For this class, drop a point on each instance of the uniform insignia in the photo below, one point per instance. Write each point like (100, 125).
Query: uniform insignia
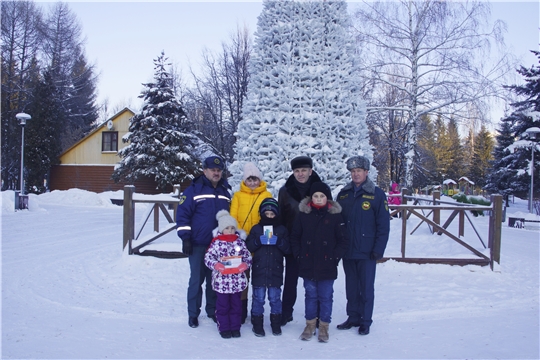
(366, 205)
(182, 199)
(368, 197)
(216, 160)
(343, 196)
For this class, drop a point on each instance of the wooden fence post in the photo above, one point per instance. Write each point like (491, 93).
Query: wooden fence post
(495, 229)
(404, 215)
(129, 215)
(436, 212)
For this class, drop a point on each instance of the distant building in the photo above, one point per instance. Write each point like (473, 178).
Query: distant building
(89, 163)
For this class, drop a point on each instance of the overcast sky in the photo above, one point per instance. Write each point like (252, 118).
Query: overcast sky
(123, 38)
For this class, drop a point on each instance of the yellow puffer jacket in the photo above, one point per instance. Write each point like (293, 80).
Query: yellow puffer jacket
(245, 205)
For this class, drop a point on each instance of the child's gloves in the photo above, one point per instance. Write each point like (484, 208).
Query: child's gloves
(268, 241)
(219, 267)
(242, 267)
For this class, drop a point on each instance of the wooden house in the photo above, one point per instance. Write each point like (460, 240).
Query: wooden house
(466, 186)
(89, 163)
(450, 187)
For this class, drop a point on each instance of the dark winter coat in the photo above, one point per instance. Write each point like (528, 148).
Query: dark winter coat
(197, 209)
(319, 240)
(289, 197)
(368, 222)
(267, 267)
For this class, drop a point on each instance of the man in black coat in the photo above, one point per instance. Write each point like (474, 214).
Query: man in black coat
(295, 189)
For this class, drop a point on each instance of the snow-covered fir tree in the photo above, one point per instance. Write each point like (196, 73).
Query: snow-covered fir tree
(511, 171)
(304, 95)
(161, 139)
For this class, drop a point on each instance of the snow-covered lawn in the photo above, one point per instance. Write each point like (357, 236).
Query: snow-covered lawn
(69, 291)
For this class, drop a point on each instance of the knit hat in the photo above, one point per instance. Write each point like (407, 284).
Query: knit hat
(320, 187)
(301, 162)
(269, 204)
(224, 220)
(360, 162)
(250, 169)
(213, 162)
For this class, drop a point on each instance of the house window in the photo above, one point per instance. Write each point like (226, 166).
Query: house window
(109, 141)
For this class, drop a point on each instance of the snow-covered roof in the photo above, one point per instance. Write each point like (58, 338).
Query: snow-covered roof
(449, 181)
(464, 178)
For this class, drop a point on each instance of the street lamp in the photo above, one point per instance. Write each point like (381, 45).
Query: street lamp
(531, 134)
(22, 117)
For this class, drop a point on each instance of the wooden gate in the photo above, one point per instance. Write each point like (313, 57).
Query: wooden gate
(411, 206)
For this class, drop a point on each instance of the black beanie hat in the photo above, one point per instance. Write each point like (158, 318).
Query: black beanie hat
(269, 204)
(320, 187)
(301, 162)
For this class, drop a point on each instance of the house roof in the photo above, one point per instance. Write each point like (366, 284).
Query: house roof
(112, 118)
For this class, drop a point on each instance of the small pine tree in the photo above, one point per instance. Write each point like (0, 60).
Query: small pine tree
(161, 142)
(304, 96)
(501, 175)
(482, 156)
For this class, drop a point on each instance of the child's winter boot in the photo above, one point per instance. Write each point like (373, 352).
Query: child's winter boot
(257, 322)
(275, 323)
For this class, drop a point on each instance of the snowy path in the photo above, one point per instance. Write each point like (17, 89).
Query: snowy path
(68, 291)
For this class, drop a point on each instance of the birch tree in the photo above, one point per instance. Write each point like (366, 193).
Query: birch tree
(434, 53)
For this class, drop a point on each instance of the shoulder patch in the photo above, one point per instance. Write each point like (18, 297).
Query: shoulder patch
(366, 205)
(182, 199)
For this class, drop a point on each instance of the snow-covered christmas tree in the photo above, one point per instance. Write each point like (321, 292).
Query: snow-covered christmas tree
(304, 95)
(161, 139)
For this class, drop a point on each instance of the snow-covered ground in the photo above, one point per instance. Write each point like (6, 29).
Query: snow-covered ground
(70, 291)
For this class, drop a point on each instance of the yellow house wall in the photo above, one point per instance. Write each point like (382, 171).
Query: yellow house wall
(88, 150)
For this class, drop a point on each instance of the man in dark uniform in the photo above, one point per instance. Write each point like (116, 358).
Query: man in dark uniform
(195, 220)
(295, 189)
(365, 210)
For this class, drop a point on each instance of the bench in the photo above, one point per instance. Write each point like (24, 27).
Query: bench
(519, 222)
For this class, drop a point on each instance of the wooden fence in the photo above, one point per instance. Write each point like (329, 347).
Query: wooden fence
(161, 203)
(412, 206)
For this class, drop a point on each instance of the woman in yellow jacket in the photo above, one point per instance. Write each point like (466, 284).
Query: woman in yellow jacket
(245, 209)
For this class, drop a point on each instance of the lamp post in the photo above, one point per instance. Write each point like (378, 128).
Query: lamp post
(531, 134)
(22, 117)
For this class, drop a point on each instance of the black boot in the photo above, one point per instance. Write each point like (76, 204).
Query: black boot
(244, 310)
(257, 322)
(275, 323)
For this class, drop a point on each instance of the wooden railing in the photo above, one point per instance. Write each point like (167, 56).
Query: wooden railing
(411, 206)
(161, 203)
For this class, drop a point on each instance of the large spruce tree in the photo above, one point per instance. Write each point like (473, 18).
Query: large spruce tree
(303, 97)
(161, 141)
(511, 169)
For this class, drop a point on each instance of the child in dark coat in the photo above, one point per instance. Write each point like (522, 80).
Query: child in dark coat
(268, 241)
(228, 257)
(318, 240)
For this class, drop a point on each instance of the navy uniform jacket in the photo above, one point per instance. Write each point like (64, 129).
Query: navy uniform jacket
(367, 219)
(197, 209)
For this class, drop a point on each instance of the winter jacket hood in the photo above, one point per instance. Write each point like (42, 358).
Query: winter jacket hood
(333, 206)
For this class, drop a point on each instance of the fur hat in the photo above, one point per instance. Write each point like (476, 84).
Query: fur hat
(224, 220)
(320, 187)
(250, 169)
(269, 204)
(360, 162)
(213, 162)
(301, 162)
